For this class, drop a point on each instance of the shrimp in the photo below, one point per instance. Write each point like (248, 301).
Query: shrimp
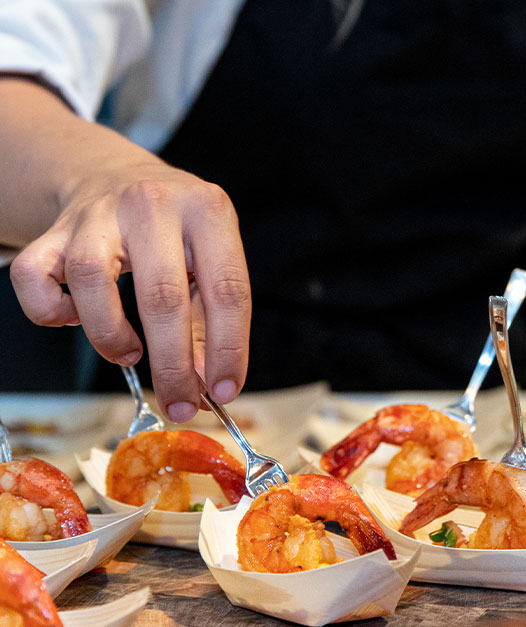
(45, 485)
(500, 492)
(268, 539)
(431, 443)
(157, 461)
(24, 599)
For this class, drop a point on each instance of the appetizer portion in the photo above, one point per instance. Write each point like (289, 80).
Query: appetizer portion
(498, 489)
(24, 599)
(282, 531)
(431, 443)
(27, 486)
(157, 462)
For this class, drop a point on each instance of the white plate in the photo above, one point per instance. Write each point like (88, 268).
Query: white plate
(504, 569)
(360, 587)
(60, 565)
(178, 529)
(119, 613)
(110, 531)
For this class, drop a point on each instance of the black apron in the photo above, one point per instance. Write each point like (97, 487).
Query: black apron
(379, 184)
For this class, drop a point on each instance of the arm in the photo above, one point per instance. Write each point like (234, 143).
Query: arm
(91, 205)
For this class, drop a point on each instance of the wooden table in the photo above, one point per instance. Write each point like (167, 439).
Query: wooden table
(184, 594)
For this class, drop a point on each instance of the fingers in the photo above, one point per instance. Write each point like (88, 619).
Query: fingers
(157, 257)
(36, 274)
(39, 270)
(161, 231)
(222, 277)
(91, 270)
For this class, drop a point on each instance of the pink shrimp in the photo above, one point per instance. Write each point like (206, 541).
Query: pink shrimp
(39, 482)
(266, 528)
(498, 489)
(24, 599)
(431, 443)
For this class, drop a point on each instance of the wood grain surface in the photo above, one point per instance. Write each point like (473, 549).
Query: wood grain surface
(184, 594)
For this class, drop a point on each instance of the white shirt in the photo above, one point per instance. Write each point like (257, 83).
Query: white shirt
(154, 54)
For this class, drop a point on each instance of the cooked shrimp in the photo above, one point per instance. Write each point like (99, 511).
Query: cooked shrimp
(22, 520)
(41, 483)
(500, 492)
(155, 461)
(267, 542)
(24, 600)
(431, 443)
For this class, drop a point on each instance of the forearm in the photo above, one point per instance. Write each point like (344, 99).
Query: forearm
(45, 150)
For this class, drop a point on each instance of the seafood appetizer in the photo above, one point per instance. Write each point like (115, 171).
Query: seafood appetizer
(497, 489)
(24, 600)
(282, 531)
(431, 443)
(157, 462)
(27, 486)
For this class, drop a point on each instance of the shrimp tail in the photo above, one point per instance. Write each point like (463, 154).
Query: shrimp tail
(50, 487)
(368, 537)
(432, 504)
(348, 454)
(232, 484)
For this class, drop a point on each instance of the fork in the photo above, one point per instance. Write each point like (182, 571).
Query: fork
(145, 419)
(5, 448)
(262, 472)
(463, 409)
(498, 306)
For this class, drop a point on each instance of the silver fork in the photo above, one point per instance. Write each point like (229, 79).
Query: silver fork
(5, 448)
(463, 409)
(498, 306)
(262, 472)
(145, 419)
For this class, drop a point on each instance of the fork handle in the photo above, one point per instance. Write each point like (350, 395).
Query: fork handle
(499, 333)
(514, 294)
(227, 420)
(133, 383)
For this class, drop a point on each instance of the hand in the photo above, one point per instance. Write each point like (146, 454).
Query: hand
(142, 216)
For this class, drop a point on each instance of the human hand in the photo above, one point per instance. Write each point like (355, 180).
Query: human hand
(137, 214)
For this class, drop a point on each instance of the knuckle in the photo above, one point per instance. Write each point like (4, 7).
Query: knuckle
(87, 270)
(107, 338)
(178, 375)
(23, 270)
(164, 296)
(147, 194)
(231, 291)
(214, 199)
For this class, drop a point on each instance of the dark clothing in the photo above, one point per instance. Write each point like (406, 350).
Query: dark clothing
(378, 183)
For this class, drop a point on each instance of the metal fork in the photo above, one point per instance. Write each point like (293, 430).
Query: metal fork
(145, 419)
(5, 448)
(463, 410)
(498, 307)
(263, 472)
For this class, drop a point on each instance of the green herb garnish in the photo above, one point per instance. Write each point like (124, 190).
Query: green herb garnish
(445, 534)
(196, 507)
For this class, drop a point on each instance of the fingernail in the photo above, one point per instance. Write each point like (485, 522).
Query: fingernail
(181, 412)
(225, 391)
(130, 358)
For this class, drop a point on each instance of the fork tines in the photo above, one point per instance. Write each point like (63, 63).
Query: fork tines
(269, 475)
(5, 448)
